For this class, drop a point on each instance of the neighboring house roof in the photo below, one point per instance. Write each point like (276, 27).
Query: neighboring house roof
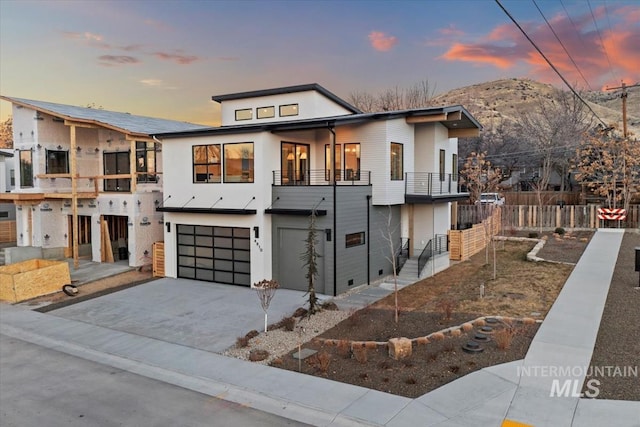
(6, 153)
(460, 119)
(124, 122)
(287, 89)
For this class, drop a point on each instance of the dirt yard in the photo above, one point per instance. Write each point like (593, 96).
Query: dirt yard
(522, 289)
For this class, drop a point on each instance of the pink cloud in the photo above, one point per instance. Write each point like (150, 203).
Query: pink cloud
(381, 41)
(176, 57)
(451, 31)
(505, 47)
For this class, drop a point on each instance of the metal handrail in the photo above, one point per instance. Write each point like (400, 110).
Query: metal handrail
(320, 177)
(425, 256)
(402, 254)
(436, 246)
(430, 183)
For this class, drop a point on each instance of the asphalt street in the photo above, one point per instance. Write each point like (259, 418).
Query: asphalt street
(43, 387)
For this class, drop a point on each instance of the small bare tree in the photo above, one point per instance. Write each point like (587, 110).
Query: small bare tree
(387, 235)
(266, 290)
(6, 133)
(396, 98)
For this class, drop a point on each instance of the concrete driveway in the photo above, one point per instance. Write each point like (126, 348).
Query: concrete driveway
(207, 316)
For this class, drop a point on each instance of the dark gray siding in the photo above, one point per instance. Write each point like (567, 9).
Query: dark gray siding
(380, 250)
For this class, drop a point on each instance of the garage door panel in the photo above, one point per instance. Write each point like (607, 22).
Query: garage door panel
(220, 254)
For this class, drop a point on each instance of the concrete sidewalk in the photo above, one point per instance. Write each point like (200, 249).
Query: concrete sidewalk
(483, 398)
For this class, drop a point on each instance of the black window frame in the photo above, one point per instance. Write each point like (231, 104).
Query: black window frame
(207, 164)
(351, 174)
(26, 169)
(63, 167)
(443, 159)
(270, 115)
(245, 110)
(350, 239)
(145, 173)
(249, 178)
(454, 160)
(297, 110)
(399, 175)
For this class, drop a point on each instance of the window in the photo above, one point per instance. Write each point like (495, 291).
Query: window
(4, 214)
(396, 162)
(26, 169)
(146, 161)
(295, 163)
(327, 161)
(206, 163)
(454, 166)
(289, 110)
(57, 161)
(354, 239)
(117, 164)
(238, 162)
(352, 162)
(245, 114)
(442, 159)
(12, 177)
(266, 112)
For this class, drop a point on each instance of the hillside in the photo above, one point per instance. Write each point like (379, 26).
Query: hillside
(501, 100)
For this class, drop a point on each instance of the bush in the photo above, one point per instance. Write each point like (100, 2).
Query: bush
(242, 342)
(257, 355)
(503, 337)
(252, 334)
(343, 348)
(446, 307)
(289, 323)
(324, 360)
(559, 230)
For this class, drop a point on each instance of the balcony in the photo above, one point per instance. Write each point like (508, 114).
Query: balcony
(319, 177)
(430, 187)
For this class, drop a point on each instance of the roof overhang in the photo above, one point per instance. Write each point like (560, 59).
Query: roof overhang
(441, 198)
(219, 211)
(297, 212)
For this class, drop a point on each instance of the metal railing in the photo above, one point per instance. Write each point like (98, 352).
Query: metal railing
(430, 183)
(436, 246)
(320, 177)
(402, 254)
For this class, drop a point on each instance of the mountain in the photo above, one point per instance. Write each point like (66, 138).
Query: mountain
(502, 100)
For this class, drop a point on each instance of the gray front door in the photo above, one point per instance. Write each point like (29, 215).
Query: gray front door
(291, 268)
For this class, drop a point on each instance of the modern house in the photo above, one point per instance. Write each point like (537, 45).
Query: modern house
(238, 198)
(88, 170)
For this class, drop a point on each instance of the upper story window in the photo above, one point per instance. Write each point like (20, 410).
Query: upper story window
(443, 156)
(397, 165)
(26, 169)
(352, 162)
(289, 110)
(146, 161)
(238, 162)
(327, 162)
(454, 174)
(57, 161)
(206, 163)
(244, 114)
(266, 112)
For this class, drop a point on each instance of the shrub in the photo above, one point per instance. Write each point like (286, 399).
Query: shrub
(252, 334)
(257, 355)
(360, 353)
(343, 347)
(446, 306)
(559, 230)
(278, 362)
(329, 305)
(242, 342)
(289, 323)
(300, 312)
(503, 337)
(324, 360)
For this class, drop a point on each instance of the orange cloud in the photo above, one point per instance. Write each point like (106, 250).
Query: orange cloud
(505, 47)
(381, 41)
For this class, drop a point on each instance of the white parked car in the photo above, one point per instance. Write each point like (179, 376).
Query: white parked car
(491, 199)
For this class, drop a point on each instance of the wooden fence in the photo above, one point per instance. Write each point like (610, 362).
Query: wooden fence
(158, 259)
(465, 243)
(550, 217)
(548, 197)
(7, 231)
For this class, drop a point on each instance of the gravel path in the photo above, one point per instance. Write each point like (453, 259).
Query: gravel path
(618, 342)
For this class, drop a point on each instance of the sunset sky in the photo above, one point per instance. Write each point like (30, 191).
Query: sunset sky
(167, 58)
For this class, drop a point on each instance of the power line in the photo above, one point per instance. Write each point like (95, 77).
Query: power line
(551, 64)
(562, 44)
(604, 49)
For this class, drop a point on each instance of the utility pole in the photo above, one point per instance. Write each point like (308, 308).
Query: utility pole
(624, 105)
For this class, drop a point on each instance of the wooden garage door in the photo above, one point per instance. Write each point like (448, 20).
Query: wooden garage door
(214, 254)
